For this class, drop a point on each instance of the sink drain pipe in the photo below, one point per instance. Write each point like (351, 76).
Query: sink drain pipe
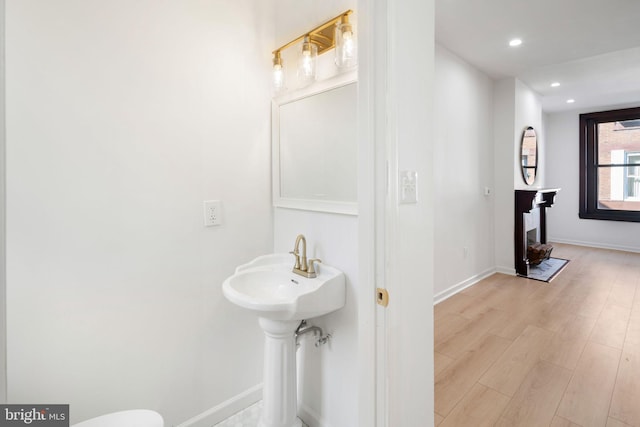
(303, 329)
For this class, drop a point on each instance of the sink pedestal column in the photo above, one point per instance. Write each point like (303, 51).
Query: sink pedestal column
(279, 394)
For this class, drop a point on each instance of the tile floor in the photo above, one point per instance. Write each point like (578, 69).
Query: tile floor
(248, 417)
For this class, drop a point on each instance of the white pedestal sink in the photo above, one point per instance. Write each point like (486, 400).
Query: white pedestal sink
(282, 299)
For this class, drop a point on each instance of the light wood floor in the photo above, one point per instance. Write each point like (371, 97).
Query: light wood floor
(516, 352)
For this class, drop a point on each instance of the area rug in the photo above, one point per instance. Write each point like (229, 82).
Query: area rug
(547, 269)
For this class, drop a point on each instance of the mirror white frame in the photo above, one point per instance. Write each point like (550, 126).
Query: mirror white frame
(282, 167)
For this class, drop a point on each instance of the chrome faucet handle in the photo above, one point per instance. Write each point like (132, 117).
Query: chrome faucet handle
(311, 269)
(295, 254)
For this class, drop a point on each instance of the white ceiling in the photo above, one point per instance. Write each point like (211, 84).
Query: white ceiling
(592, 47)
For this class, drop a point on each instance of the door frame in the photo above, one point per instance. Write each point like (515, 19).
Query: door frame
(395, 98)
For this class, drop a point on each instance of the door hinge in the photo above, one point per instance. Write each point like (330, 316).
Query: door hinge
(382, 297)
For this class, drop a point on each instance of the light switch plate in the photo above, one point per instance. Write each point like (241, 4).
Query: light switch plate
(408, 190)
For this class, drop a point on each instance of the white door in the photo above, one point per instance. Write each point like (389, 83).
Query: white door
(396, 239)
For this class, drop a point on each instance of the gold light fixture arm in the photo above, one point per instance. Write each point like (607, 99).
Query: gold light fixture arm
(322, 36)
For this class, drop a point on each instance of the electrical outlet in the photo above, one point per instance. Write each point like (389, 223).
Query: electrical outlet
(212, 213)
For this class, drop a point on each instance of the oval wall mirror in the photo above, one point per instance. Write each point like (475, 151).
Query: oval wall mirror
(529, 155)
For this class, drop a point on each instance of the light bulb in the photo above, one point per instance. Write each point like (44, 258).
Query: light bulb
(349, 44)
(278, 77)
(278, 72)
(307, 61)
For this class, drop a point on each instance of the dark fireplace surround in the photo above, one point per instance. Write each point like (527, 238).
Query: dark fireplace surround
(530, 224)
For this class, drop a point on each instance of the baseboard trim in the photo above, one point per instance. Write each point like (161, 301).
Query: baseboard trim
(594, 245)
(506, 270)
(447, 293)
(310, 417)
(225, 409)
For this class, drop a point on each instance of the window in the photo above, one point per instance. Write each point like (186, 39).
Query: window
(610, 165)
(632, 178)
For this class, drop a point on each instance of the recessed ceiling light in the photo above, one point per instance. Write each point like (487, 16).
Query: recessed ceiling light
(570, 101)
(555, 84)
(515, 42)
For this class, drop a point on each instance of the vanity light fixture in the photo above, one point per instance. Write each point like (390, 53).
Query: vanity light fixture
(335, 33)
(515, 42)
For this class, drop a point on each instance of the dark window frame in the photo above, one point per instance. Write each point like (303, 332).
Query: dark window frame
(589, 165)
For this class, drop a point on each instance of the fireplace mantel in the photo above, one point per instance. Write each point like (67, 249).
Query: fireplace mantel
(525, 202)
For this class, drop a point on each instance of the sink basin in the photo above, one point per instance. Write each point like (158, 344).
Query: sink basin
(268, 287)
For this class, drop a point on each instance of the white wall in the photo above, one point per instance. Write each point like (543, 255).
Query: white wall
(563, 171)
(463, 167)
(3, 276)
(122, 117)
(328, 376)
(516, 106)
(504, 108)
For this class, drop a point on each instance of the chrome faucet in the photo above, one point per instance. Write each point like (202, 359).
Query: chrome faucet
(301, 266)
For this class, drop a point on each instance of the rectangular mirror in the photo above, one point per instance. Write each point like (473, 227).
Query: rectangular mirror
(314, 139)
